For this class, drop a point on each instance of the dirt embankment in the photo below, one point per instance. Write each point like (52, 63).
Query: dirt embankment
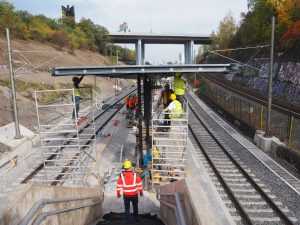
(35, 60)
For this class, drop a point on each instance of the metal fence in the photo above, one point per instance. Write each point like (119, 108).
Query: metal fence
(283, 126)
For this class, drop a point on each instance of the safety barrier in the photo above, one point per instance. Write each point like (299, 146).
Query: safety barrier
(66, 143)
(283, 126)
(169, 145)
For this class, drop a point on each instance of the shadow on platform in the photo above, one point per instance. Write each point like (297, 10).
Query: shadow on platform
(119, 219)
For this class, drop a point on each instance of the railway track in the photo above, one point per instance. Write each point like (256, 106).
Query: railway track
(100, 121)
(248, 200)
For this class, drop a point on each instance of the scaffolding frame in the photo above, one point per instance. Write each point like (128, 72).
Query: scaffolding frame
(169, 163)
(66, 144)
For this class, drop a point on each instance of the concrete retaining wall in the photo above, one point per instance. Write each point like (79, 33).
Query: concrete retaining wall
(14, 208)
(197, 208)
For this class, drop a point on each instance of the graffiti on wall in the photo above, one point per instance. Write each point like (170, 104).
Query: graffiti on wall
(286, 83)
(290, 72)
(283, 90)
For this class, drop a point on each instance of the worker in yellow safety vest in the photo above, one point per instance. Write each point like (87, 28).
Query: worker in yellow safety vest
(175, 108)
(179, 87)
(76, 97)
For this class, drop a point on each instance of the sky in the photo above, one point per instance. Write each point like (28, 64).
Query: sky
(157, 16)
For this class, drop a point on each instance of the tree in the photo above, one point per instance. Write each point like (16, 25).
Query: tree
(9, 19)
(227, 30)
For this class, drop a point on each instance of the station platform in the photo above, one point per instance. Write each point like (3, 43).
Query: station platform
(117, 143)
(201, 200)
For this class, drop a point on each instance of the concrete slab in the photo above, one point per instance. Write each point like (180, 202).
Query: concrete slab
(7, 134)
(267, 144)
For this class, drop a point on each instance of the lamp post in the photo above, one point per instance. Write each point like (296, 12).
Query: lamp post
(267, 134)
(13, 93)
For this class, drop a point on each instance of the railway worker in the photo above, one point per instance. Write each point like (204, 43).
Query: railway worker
(127, 101)
(175, 108)
(131, 185)
(76, 97)
(166, 100)
(133, 102)
(179, 87)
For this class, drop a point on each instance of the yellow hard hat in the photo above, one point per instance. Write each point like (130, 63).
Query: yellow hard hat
(127, 164)
(178, 74)
(154, 148)
(172, 96)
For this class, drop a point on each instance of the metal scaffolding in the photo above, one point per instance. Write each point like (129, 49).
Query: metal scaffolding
(67, 144)
(169, 146)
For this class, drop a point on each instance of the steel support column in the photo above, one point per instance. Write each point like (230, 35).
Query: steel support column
(147, 108)
(186, 53)
(139, 51)
(140, 116)
(143, 54)
(189, 52)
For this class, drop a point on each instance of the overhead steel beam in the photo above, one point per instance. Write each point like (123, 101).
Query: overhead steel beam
(154, 71)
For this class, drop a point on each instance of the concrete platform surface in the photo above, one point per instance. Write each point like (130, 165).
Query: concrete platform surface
(120, 146)
(7, 134)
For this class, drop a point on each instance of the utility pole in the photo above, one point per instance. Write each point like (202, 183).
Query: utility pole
(13, 93)
(267, 134)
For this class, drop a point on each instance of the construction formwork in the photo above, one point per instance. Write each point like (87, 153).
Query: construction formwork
(67, 143)
(169, 146)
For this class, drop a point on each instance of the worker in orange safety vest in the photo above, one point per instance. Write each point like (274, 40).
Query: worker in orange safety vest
(127, 101)
(131, 185)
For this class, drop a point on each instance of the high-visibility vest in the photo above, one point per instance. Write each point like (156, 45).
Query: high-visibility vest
(130, 183)
(179, 86)
(76, 91)
(176, 113)
(133, 101)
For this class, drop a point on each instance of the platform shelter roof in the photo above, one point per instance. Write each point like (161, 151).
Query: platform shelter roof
(153, 71)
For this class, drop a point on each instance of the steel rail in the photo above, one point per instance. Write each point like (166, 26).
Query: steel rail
(41, 166)
(232, 197)
(261, 101)
(265, 196)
